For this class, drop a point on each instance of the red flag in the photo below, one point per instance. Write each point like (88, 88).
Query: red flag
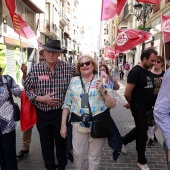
(20, 26)
(111, 8)
(156, 2)
(109, 52)
(11, 5)
(165, 28)
(130, 38)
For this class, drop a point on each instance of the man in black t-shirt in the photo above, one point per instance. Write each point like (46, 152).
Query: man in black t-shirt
(139, 95)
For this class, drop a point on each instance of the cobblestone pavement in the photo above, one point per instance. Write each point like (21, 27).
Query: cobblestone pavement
(124, 121)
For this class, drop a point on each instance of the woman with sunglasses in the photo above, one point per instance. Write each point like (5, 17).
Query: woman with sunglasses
(99, 100)
(8, 159)
(157, 75)
(112, 80)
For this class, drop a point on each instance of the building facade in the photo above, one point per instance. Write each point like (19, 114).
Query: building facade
(127, 19)
(49, 19)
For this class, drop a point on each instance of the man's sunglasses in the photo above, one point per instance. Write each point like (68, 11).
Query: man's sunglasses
(87, 63)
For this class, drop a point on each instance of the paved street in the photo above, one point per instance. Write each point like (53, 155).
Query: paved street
(124, 121)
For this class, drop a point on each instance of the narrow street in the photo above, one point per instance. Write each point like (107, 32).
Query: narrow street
(124, 121)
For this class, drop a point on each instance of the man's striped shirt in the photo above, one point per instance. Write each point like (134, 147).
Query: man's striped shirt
(40, 81)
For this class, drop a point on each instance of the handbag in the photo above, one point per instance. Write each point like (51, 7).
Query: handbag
(28, 115)
(101, 126)
(16, 110)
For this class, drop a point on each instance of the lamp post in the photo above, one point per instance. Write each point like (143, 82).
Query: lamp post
(142, 12)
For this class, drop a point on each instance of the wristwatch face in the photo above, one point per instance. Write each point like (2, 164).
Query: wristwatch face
(105, 92)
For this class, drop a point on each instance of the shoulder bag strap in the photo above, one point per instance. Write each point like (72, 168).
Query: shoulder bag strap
(90, 113)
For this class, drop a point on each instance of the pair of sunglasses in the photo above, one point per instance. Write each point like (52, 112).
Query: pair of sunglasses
(87, 63)
(158, 62)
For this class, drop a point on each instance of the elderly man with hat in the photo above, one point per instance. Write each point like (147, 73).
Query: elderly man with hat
(45, 86)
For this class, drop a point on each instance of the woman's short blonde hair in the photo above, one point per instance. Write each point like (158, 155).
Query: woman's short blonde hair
(94, 62)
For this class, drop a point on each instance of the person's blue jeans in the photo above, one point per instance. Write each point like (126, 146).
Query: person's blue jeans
(166, 153)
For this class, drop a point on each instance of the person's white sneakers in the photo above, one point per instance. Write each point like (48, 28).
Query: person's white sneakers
(143, 167)
(124, 150)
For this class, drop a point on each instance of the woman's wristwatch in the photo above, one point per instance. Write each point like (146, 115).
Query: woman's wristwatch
(105, 92)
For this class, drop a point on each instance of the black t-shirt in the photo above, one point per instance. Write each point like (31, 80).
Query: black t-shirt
(157, 80)
(142, 94)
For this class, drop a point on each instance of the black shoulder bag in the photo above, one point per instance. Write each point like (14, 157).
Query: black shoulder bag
(101, 126)
(16, 110)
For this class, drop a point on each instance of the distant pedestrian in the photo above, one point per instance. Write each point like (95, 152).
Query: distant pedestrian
(121, 71)
(162, 113)
(157, 75)
(8, 87)
(126, 70)
(139, 95)
(114, 70)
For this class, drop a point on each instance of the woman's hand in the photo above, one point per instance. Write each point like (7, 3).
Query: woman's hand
(63, 131)
(99, 86)
(105, 76)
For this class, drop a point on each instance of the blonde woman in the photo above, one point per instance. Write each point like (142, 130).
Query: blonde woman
(100, 100)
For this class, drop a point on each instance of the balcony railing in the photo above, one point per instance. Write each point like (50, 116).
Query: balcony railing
(128, 10)
(63, 43)
(63, 18)
(47, 24)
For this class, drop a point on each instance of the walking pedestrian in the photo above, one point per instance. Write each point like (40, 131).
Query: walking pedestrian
(121, 71)
(139, 95)
(126, 70)
(26, 140)
(46, 85)
(8, 159)
(99, 100)
(157, 75)
(162, 111)
(114, 70)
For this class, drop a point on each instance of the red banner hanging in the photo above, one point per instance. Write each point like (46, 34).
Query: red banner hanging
(20, 26)
(111, 8)
(109, 53)
(156, 2)
(130, 38)
(165, 28)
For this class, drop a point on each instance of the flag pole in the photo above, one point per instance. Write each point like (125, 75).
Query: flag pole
(164, 57)
(100, 37)
(100, 45)
(21, 49)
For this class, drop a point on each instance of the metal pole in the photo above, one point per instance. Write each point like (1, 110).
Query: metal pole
(144, 24)
(165, 57)
(21, 49)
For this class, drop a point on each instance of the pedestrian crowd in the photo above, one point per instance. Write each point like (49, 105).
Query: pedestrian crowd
(73, 105)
